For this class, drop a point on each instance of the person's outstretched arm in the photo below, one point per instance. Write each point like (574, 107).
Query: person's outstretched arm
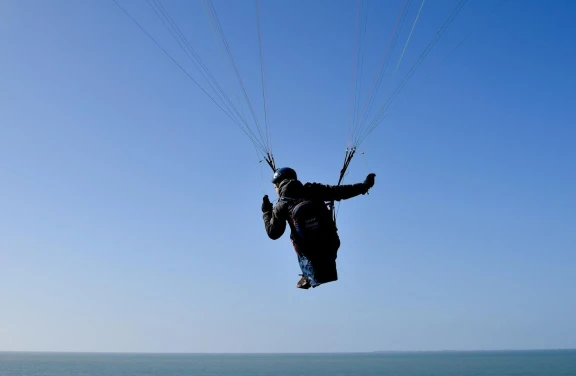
(340, 192)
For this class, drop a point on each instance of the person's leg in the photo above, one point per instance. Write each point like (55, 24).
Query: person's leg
(316, 272)
(308, 273)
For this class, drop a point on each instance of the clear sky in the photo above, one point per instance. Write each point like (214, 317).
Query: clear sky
(130, 203)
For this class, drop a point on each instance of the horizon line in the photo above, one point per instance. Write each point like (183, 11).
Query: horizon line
(280, 353)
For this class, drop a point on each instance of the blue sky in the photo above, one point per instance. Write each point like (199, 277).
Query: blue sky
(131, 204)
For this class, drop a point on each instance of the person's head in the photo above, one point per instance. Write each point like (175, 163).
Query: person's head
(281, 174)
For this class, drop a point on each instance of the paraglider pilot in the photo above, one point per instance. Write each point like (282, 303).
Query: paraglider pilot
(313, 232)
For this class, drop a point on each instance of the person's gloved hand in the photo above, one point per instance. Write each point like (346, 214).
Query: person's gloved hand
(369, 182)
(266, 204)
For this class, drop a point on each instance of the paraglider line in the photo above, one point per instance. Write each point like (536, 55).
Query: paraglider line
(221, 32)
(378, 75)
(187, 43)
(387, 104)
(184, 70)
(470, 33)
(165, 17)
(395, 34)
(266, 121)
(353, 83)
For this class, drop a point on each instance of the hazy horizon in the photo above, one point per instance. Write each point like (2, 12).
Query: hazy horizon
(280, 353)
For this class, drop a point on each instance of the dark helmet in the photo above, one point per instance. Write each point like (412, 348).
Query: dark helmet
(283, 174)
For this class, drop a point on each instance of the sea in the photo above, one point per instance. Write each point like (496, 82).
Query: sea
(481, 363)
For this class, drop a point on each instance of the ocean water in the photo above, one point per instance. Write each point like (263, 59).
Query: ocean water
(516, 363)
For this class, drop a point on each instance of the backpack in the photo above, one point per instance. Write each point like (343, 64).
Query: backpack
(311, 221)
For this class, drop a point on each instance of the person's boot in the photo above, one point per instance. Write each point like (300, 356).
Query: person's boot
(303, 283)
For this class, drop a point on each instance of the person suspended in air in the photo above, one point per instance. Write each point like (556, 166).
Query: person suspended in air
(313, 232)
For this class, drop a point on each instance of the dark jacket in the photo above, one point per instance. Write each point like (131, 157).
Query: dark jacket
(276, 219)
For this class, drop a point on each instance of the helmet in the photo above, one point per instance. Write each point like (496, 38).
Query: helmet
(283, 174)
